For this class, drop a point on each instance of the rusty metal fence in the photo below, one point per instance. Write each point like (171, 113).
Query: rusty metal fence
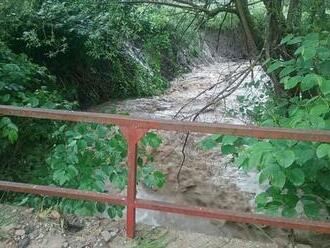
(134, 129)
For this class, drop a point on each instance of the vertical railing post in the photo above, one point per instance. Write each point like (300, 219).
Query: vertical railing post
(132, 136)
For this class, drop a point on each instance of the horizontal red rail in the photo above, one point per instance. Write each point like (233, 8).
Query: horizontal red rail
(180, 126)
(133, 129)
(61, 192)
(234, 216)
(167, 207)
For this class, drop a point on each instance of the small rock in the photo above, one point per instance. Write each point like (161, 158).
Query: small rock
(54, 215)
(29, 210)
(20, 232)
(107, 236)
(41, 236)
(65, 245)
(161, 108)
(24, 243)
(303, 246)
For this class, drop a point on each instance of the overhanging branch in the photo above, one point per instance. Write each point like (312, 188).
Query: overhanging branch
(188, 5)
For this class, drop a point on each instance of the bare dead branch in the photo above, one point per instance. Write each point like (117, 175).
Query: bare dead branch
(236, 80)
(185, 4)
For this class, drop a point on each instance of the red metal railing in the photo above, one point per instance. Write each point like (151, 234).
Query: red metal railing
(134, 129)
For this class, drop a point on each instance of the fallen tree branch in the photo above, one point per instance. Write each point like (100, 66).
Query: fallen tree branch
(236, 80)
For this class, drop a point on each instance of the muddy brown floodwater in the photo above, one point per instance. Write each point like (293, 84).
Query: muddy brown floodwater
(207, 179)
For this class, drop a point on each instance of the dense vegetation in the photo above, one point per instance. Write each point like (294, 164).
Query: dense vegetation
(296, 174)
(70, 55)
(73, 54)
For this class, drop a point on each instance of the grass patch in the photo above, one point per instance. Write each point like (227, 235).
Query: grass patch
(153, 239)
(6, 219)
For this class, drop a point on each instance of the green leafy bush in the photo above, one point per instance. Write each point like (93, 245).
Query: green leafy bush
(97, 50)
(297, 173)
(91, 158)
(23, 83)
(77, 156)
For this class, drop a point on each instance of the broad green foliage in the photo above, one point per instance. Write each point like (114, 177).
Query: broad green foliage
(91, 158)
(101, 49)
(297, 173)
(77, 156)
(91, 51)
(23, 83)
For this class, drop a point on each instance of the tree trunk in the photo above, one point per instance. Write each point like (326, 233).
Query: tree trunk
(248, 26)
(275, 25)
(294, 16)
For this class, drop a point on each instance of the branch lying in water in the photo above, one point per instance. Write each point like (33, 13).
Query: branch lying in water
(234, 81)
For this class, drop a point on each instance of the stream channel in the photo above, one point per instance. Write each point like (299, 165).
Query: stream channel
(207, 179)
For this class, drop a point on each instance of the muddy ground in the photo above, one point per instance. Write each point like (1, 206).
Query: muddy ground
(22, 228)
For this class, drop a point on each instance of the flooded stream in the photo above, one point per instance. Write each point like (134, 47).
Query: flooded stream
(207, 178)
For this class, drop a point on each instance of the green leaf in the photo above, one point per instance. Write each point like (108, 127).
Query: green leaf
(241, 160)
(262, 199)
(289, 212)
(119, 210)
(83, 211)
(327, 202)
(323, 150)
(290, 200)
(229, 140)
(112, 212)
(325, 68)
(274, 66)
(274, 174)
(100, 207)
(287, 38)
(153, 140)
(292, 82)
(299, 50)
(311, 209)
(287, 70)
(304, 153)
(308, 53)
(295, 40)
(325, 86)
(285, 158)
(210, 142)
(272, 208)
(323, 53)
(297, 177)
(255, 159)
(309, 81)
(319, 109)
(228, 149)
(12, 135)
(278, 179)
(160, 179)
(324, 180)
